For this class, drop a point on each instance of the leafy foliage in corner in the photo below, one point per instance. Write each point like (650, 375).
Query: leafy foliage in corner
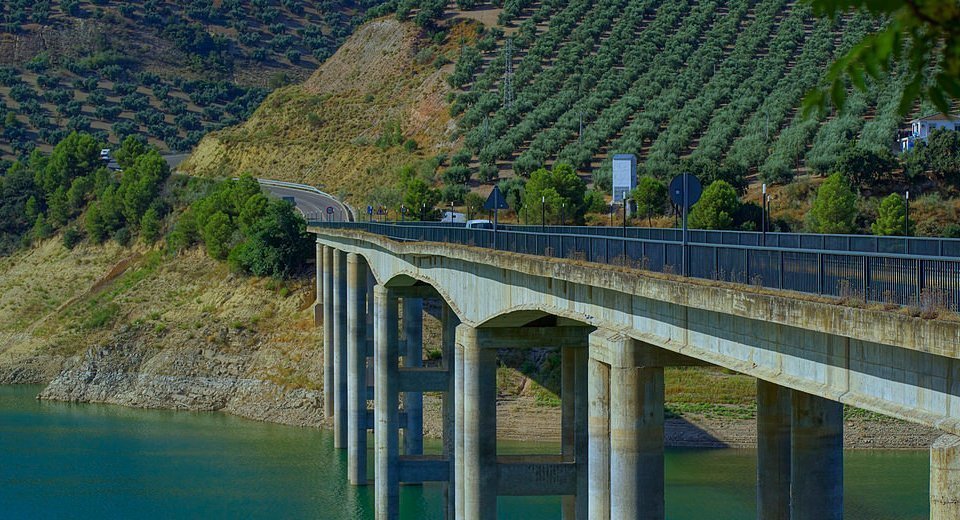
(923, 34)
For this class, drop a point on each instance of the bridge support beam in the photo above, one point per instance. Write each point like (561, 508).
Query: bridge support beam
(413, 358)
(479, 461)
(448, 347)
(599, 442)
(340, 349)
(945, 478)
(356, 370)
(773, 451)
(636, 442)
(328, 340)
(626, 395)
(816, 466)
(479, 475)
(573, 430)
(318, 305)
(386, 405)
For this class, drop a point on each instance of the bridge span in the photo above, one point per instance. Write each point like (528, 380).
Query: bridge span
(617, 327)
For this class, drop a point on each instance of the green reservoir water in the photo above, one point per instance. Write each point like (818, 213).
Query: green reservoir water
(62, 460)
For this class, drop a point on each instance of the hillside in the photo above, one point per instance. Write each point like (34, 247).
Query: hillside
(166, 70)
(140, 327)
(677, 82)
(378, 103)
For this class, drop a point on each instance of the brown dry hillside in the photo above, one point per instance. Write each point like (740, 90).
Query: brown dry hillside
(326, 131)
(141, 327)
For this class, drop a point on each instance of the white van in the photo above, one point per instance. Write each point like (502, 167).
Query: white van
(479, 224)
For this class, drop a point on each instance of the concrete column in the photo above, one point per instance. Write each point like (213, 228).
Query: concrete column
(318, 305)
(386, 405)
(413, 358)
(945, 478)
(356, 369)
(773, 451)
(371, 327)
(598, 386)
(458, 455)
(448, 345)
(328, 340)
(636, 443)
(340, 349)
(568, 429)
(479, 427)
(581, 438)
(816, 465)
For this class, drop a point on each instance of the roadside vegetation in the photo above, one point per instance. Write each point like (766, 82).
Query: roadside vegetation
(70, 191)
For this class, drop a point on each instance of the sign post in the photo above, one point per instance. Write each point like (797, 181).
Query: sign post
(495, 202)
(685, 191)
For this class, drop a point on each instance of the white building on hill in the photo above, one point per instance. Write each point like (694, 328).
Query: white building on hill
(920, 129)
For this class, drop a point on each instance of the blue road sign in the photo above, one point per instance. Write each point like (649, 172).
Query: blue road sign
(495, 200)
(369, 210)
(329, 210)
(693, 188)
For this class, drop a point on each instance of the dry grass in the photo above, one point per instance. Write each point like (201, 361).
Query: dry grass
(324, 132)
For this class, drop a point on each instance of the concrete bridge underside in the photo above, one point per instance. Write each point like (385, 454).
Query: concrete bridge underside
(617, 329)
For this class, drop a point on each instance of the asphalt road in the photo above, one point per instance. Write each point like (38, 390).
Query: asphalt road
(313, 205)
(174, 160)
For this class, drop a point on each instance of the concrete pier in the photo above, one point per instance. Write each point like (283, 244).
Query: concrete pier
(339, 349)
(459, 419)
(599, 442)
(318, 304)
(773, 451)
(448, 346)
(328, 340)
(413, 358)
(636, 443)
(479, 459)
(945, 478)
(816, 465)
(386, 405)
(356, 369)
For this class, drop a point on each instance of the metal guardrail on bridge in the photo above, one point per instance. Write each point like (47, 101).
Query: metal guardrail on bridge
(834, 268)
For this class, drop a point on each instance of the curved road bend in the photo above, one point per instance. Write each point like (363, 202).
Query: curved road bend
(309, 202)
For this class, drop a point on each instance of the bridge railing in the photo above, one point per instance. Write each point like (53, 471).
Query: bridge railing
(926, 281)
(926, 246)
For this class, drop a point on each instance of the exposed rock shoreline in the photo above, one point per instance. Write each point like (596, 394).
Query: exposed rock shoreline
(205, 379)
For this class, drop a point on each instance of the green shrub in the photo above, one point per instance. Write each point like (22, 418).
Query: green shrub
(71, 237)
(835, 208)
(716, 207)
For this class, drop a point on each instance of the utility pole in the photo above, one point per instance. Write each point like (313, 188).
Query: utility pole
(543, 212)
(906, 226)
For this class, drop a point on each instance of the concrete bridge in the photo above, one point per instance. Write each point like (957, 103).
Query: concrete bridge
(617, 328)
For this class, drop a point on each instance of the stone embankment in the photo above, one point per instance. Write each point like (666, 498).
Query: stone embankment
(127, 371)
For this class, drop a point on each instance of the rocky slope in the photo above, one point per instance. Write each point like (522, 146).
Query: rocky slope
(159, 331)
(335, 129)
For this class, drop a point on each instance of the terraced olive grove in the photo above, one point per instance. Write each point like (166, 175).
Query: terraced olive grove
(167, 71)
(708, 86)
